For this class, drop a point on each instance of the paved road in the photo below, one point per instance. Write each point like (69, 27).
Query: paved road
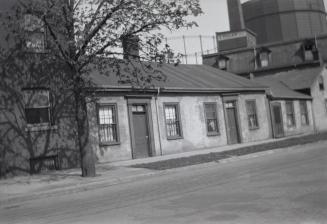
(286, 186)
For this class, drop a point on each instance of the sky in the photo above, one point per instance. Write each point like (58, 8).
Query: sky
(214, 19)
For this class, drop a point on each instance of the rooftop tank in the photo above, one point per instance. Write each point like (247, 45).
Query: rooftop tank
(282, 20)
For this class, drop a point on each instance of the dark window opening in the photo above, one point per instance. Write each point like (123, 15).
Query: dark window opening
(310, 51)
(321, 83)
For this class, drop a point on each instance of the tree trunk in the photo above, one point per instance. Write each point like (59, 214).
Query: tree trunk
(86, 151)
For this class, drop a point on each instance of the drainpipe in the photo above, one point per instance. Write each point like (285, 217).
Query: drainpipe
(157, 115)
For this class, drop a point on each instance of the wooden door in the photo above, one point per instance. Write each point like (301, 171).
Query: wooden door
(232, 122)
(141, 134)
(277, 120)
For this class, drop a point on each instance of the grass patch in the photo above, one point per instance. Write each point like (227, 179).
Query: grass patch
(216, 156)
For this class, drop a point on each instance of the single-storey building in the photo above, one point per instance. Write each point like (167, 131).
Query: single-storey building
(197, 107)
(291, 111)
(311, 82)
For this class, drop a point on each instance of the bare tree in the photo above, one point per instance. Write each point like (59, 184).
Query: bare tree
(84, 35)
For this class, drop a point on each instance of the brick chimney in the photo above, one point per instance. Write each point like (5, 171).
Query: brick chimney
(235, 13)
(131, 47)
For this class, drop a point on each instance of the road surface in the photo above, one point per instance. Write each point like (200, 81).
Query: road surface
(286, 186)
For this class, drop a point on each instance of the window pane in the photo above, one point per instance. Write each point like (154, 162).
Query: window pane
(290, 113)
(37, 115)
(252, 114)
(172, 122)
(304, 113)
(107, 124)
(211, 117)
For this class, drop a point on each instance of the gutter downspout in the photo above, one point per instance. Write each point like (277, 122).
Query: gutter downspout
(157, 115)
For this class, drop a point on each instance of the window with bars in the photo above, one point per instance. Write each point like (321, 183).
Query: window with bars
(251, 109)
(290, 115)
(211, 117)
(173, 126)
(37, 106)
(108, 130)
(304, 113)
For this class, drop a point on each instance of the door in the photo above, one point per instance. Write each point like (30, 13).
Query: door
(232, 123)
(141, 132)
(277, 120)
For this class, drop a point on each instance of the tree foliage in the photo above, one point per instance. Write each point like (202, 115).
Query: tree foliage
(83, 35)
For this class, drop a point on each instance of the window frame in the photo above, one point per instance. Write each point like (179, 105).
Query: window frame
(114, 105)
(255, 113)
(306, 113)
(321, 83)
(50, 122)
(39, 29)
(309, 45)
(211, 133)
(290, 113)
(177, 112)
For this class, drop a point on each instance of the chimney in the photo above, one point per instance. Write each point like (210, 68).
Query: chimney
(131, 48)
(235, 13)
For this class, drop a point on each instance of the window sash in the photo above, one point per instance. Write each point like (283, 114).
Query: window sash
(211, 117)
(37, 115)
(290, 114)
(251, 109)
(173, 126)
(108, 125)
(304, 113)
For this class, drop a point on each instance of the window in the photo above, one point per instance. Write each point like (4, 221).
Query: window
(304, 113)
(210, 110)
(37, 106)
(108, 131)
(290, 116)
(35, 33)
(252, 114)
(264, 59)
(321, 83)
(222, 64)
(310, 51)
(173, 126)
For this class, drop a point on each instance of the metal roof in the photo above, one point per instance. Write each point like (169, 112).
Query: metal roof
(279, 90)
(185, 77)
(299, 78)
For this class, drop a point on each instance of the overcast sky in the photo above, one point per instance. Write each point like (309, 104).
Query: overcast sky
(214, 19)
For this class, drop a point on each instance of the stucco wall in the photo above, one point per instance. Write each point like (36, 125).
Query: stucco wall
(193, 124)
(298, 128)
(318, 102)
(121, 151)
(261, 133)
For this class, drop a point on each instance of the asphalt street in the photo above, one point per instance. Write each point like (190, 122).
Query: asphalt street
(284, 186)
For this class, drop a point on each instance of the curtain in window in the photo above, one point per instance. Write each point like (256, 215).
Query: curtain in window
(107, 124)
(252, 114)
(211, 118)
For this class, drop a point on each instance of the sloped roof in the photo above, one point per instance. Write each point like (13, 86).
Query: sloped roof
(299, 78)
(279, 90)
(186, 77)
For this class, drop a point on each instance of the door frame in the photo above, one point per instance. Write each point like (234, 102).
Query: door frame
(273, 123)
(145, 101)
(234, 98)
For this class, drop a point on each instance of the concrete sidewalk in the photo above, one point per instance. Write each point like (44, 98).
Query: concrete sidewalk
(24, 188)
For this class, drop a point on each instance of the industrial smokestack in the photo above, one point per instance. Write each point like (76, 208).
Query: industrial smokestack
(235, 13)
